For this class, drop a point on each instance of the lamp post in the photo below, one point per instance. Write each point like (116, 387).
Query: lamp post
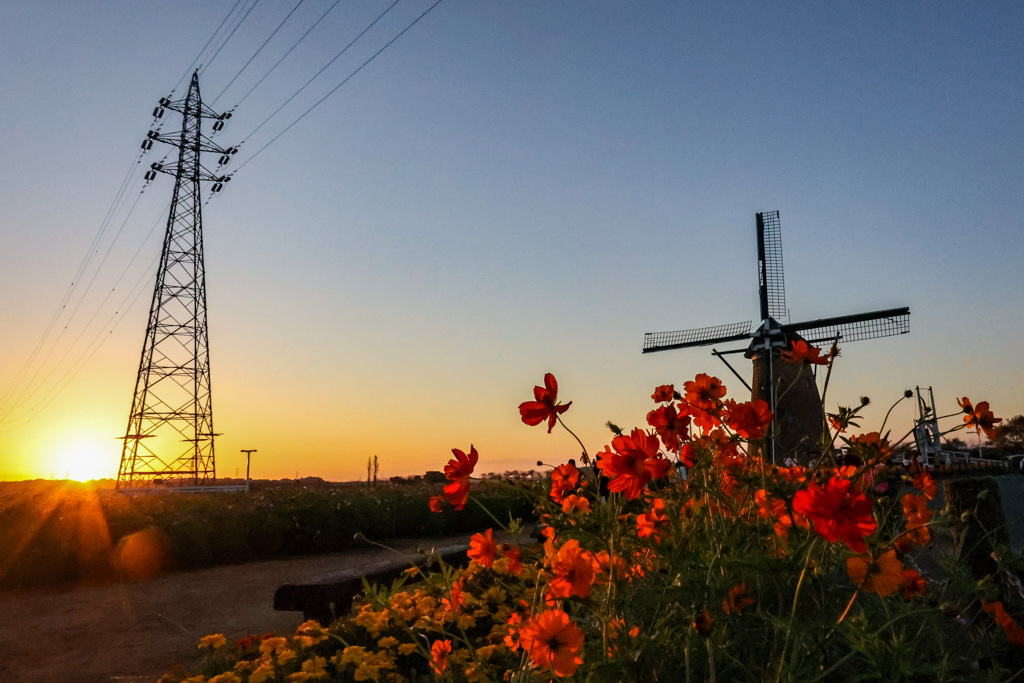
(248, 457)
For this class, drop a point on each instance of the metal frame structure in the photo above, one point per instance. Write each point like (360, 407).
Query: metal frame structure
(771, 337)
(169, 440)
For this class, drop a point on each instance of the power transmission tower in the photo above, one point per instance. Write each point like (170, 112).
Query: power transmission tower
(169, 439)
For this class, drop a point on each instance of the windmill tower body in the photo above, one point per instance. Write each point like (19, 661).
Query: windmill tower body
(790, 390)
(169, 439)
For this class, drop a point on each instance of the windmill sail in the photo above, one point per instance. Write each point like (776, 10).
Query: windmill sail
(701, 336)
(772, 286)
(847, 328)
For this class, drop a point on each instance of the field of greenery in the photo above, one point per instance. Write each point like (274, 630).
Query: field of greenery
(58, 531)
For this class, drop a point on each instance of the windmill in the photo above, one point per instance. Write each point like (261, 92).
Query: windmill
(799, 418)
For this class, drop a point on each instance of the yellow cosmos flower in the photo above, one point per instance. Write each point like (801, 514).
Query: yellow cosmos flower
(214, 640)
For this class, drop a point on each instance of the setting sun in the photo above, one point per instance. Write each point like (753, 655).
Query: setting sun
(83, 458)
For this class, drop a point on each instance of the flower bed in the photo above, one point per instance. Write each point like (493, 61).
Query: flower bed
(677, 554)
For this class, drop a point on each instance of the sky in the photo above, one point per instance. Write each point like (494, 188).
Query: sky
(508, 189)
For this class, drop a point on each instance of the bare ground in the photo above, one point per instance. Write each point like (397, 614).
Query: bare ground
(135, 632)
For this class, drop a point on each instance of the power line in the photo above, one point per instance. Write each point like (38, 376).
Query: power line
(258, 50)
(240, 22)
(188, 71)
(335, 89)
(324, 67)
(295, 45)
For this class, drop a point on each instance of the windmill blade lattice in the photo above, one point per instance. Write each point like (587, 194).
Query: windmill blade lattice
(847, 328)
(772, 287)
(701, 336)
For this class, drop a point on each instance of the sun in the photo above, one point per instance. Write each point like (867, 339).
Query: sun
(83, 458)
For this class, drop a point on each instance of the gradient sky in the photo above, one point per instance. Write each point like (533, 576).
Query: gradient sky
(511, 188)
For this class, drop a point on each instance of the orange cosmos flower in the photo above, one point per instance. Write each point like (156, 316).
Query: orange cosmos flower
(802, 352)
(574, 503)
(545, 405)
(482, 548)
(836, 513)
(871, 448)
(654, 522)
(750, 419)
(458, 470)
(737, 599)
(563, 481)
(553, 642)
(923, 482)
(573, 570)
(666, 392)
(915, 508)
(671, 425)
(884, 575)
(982, 419)
(1014, 633)
(608, 568)
(435, 504)
(439, 652)
(512, 638)
(634, 463)
(704, 391)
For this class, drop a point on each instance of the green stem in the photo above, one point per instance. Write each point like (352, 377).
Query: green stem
(792, 614)
(586, 458)
(489, 514)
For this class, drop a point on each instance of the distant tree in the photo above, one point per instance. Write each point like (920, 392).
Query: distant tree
(956, 445)
(1009, 436)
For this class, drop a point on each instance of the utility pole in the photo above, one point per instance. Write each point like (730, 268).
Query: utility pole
(169, 439)
(248, 456)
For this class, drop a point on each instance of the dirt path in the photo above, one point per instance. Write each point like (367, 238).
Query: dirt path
(131, 633)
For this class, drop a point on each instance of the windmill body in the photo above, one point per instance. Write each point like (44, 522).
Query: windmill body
(789, 389)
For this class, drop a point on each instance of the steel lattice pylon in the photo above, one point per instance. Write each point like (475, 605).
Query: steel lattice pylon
(170, 437)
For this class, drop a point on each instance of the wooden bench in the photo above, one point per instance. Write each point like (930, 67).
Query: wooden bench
(329, 596)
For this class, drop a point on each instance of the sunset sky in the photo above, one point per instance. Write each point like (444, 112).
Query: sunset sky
(509, 189)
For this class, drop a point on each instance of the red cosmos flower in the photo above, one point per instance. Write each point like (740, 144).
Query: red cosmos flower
(1014, 633)
(573, 570)
(837, 514)
(456, 600)
(703, 623)
(439, 652)
(545, 406)
(482, 548)
(912, 583)
(802, 352)
(553, 642)
(982, 419)
(704, 391)
(458, 470)
(750, 419)
(672, 426)
(654, 522)
(634, 463)
(435, 504)
(563, 481)
(666, 392)
(513, 564)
